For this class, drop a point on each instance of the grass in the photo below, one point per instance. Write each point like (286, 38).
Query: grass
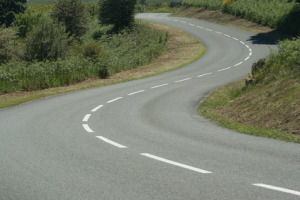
(265, 110)
(181, 50)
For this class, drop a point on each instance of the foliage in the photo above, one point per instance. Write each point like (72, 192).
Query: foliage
(7, 36)
(284, 63)
(280, 14)
(72, 14)
(47, 40)
(108, 55)
(120, 13)
(48, 2)
(8, 9)
(26, 21)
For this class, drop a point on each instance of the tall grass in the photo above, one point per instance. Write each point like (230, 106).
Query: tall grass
(280, 14)
(106, 56)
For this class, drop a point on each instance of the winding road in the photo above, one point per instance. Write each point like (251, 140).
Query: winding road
(144, 139)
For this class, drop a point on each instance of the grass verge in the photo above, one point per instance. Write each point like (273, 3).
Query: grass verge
(182, 49)
(257, 110)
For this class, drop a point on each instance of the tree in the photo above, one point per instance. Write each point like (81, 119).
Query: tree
(119, 13)
(72, 14)
(8, 9)
(47, 40)
(7, 36)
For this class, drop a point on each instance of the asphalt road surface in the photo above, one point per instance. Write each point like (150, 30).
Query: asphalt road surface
(144, 140)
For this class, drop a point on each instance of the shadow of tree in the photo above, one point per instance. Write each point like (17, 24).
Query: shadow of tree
(269, 38)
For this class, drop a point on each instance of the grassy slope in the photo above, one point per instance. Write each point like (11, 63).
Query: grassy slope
(181, 49)
(269, 109)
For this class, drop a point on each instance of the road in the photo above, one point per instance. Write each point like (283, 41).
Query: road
(144, 140)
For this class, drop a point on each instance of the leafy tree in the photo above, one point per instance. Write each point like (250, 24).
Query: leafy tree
(8, 9)
(119, 13)
(7, 35)
(72, 14)
(47, 40)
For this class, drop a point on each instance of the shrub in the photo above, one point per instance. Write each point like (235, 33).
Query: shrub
(285, 62)
(7, 36)
(8, 9)
(25, 22)
(47, 40)
(72, 14)
(120, 13)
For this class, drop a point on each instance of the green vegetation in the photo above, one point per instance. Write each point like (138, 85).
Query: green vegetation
(8, 9)
(72, 14)
(279, 14)
(47, 54)
(119, 13)
(49, 2)
(268, 107)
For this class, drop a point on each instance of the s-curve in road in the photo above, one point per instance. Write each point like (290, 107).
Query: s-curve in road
(144, 140)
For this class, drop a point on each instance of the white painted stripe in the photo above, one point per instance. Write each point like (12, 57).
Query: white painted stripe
(113, 100)
(186, 79)
(111, 142)
(208, 29)
(250, 49)
(159, 86)
(247, 58)
(192, 24)
(235, 38)
(86, 117)
(247, 46)
(183, 22)
(250, 54)
(227, 35)
(97, 108)
(242, 42)
(277, 189)
(224, 69)
(199, 26)
(204, 74)
(87, 128)
(133, 93)
(218, 32)
(176, 163)
(238, 64)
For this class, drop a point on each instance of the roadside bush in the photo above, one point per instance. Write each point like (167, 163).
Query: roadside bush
(7, 37)
(47, 40)
(284, 63)
(280, 14)
(72, 14)
(26, 21)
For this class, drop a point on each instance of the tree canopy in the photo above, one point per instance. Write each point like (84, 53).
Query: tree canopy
(8, 9)
(120, 13)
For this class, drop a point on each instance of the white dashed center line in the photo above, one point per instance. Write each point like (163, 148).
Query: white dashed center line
(111, 142)
(176, 163)
(86, 118)
(186, 79)
(87, 128)
(97, 108)
(220, 70)
(277, 189)
(204, 74)
(116, 99)
(133, 93)
(159, 86)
